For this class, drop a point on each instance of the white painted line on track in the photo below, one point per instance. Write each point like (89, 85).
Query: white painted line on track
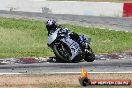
(88, 72)
(70, 73)
(10, 73)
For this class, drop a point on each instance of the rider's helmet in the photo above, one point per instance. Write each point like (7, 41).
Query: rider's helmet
(51, 25)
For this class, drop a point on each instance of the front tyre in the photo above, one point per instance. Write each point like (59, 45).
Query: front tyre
(62, 52)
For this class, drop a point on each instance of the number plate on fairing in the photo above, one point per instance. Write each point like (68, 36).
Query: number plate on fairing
(74, 46)
(52, 37)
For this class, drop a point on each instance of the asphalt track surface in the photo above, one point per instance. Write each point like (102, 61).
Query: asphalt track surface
(117, 23)
(121, 65)
(124, 65)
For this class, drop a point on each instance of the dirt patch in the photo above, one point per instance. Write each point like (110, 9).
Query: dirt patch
(39, 81)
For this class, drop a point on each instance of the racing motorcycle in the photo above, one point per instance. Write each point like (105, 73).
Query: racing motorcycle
(69, 50)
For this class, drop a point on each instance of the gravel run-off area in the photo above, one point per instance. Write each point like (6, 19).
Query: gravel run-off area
(42, 81)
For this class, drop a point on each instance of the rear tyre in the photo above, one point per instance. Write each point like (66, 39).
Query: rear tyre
(89, 56)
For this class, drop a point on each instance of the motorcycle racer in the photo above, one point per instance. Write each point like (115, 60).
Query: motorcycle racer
(68, 46)
(51, 25)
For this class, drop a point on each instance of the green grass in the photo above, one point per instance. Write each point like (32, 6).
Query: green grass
(25, 38)
(19, 38)
(104, 40)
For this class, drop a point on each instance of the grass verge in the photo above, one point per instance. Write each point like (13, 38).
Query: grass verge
(24, 38)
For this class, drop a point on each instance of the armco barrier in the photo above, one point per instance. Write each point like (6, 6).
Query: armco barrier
(69, 7)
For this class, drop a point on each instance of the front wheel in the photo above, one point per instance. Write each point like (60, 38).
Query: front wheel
(62, 52)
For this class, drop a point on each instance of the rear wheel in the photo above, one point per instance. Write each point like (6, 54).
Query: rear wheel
(89, 56)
